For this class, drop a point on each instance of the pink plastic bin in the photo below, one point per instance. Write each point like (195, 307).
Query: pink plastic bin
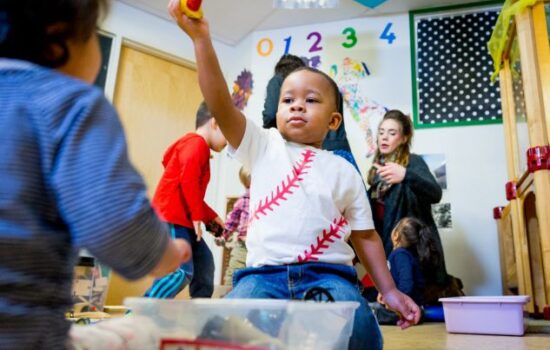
(501, 315)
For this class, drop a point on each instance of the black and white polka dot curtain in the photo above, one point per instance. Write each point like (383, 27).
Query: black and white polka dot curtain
(452, 66)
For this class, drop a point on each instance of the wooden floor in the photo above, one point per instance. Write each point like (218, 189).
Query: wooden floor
(433, 336)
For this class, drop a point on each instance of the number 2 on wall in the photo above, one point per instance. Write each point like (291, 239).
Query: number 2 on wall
(315, 46)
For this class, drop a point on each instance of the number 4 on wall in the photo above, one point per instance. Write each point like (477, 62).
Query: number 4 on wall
(387, 34)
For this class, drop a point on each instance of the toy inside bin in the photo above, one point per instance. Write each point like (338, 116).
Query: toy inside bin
(500, 315)
(249, 323)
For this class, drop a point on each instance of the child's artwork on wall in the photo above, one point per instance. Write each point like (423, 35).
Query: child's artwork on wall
(451, 67)
(438, 166)
(365, 112)
(369, 60)
(242, 89)
(442, 215)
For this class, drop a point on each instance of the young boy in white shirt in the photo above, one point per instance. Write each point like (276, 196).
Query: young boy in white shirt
(305, 203)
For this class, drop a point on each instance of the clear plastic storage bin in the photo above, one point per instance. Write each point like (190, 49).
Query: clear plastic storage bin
(248, 323)
(485, 315)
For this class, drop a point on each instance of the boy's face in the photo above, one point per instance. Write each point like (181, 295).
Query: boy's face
(307, 108)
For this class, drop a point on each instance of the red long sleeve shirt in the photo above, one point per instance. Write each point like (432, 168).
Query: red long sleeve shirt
(179, 198)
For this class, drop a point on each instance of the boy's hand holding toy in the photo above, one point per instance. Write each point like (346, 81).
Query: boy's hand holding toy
(191, 8)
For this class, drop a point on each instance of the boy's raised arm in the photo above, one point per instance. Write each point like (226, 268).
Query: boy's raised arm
(211, 81)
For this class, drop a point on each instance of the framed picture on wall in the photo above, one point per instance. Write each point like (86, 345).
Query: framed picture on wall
(451, 66)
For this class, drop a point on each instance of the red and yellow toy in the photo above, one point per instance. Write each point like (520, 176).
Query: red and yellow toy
(191, 8)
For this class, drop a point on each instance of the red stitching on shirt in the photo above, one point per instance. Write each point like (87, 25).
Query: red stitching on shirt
(323, 240)
(285, 188)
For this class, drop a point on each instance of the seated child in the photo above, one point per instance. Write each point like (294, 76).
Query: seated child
(414, 250)
(65, 178)
(237, 222)
(305, 203)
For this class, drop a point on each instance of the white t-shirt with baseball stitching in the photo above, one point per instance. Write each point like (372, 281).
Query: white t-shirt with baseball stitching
(304, 201)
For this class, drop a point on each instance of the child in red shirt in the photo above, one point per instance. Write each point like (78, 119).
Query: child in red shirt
(179, 200)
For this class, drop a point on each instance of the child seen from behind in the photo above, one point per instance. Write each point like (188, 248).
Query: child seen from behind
(66, 182)
(305, 203)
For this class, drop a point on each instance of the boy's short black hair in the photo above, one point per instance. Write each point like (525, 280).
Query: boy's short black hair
(287, 64)
(27, 29)
(203, 115)
(337, 95)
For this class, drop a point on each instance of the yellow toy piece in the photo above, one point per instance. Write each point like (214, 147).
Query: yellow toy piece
(192, 8)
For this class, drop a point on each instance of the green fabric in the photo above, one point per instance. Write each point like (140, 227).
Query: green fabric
(499, 38)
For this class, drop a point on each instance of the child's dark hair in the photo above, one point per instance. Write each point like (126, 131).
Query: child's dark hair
(416, 237)
(31, 29)
(287, 64)
(335, 90)
(203, 115)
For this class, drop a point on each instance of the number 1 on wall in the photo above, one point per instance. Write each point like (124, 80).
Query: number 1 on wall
(287, 45)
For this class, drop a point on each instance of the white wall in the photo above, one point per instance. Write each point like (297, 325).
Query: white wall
(476, 170)
(476, 174)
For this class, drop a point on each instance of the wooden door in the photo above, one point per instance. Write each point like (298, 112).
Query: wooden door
(157, 98)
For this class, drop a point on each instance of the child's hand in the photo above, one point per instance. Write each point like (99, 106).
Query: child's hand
(220, 242)
(220, 222)
(198, 229)
(177, 252)
(215, 227)
(195, 28)
(380, 299)
(392, 173)
(407, 309)
(184, 249)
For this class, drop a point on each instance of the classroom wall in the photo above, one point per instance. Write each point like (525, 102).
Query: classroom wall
(475, 154)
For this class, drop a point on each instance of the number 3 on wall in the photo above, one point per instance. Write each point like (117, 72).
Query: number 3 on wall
(351, 38)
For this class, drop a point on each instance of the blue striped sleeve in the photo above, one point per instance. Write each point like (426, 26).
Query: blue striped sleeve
(100, 195)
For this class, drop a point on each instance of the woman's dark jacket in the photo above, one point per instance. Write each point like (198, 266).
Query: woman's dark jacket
(413, 197)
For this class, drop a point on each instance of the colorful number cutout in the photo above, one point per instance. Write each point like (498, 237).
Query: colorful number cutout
(387, 34)
(315, 47)
(287, 45)
(351, 38)
(366, 68)
(260, 47)
(265, 45)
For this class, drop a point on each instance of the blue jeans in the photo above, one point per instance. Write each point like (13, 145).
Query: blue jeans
(292, 281)
(201, 285)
